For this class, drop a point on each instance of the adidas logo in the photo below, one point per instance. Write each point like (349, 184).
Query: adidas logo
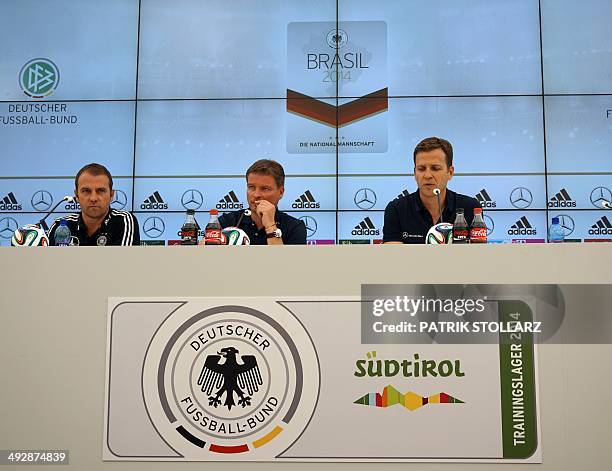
(10, 203)
(562, 200)
(522, 227)
(601, 227)
(403, 193)
(365, 227)
(230, 201)
(74, 206)
(306, 201)
(485, 200)
(155, 201)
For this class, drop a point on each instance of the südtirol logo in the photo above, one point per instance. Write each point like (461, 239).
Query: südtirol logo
(229, 380)
(324, 61)
(413, 368)
(39, 78)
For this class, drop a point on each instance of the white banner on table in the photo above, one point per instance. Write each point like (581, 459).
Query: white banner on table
(288, 379)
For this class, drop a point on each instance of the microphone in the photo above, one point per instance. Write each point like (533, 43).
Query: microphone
(436, 192)
(606, 204)
(65, 199)
(246, 212)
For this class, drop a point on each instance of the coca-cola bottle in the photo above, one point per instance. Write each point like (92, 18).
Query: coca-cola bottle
(478, 231)
(212, 234)
(189, 231)
(461, 233)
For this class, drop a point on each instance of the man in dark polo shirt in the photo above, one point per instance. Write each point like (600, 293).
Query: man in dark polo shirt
(408, 218)
(266, 225)
(98, 223)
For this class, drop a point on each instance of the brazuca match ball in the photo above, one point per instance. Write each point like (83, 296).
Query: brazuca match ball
(441, 233)
(30, 235)
(235, 236)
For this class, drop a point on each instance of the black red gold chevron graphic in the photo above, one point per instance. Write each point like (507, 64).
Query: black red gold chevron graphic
(342, 115)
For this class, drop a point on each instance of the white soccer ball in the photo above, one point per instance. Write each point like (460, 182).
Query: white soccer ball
(441, 233)
(235, 236)
(30, 235)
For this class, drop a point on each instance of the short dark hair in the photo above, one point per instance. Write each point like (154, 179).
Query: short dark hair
(268, 167)
(433, 143)
(95, 170)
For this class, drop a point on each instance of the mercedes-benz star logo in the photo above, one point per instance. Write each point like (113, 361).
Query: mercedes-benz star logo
(7, 227)
(154, 227)
(120, 200)
(311, 225)
(490, 224)
(521, 197)
(365, 198)
(599, 195)
(567, 224)
(42, 200)
(192, 199)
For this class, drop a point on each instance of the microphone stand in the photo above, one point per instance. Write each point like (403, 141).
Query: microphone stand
(42, 223)
(437, 193)
(246, 212)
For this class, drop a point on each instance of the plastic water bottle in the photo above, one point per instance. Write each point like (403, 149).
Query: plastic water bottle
(555, 232)
(63, 234)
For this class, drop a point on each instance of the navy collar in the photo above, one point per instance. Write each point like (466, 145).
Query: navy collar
(449, 205)
(82, 227)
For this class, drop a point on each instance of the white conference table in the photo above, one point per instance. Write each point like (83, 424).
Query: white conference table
(53, 331)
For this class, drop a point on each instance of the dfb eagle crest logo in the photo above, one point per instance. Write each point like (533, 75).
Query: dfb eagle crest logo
(230, 377)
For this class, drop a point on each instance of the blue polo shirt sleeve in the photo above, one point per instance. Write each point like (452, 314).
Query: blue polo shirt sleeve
(227, 220)
(392, 231)
(295, 234)
(124, 229)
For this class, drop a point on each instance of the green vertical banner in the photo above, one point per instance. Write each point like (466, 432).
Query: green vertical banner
(518, 391)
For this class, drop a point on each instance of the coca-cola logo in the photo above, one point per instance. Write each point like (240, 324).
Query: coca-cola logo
(478, 234)
(213, 236)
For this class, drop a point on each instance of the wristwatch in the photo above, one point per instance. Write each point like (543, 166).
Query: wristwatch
(275, 234)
